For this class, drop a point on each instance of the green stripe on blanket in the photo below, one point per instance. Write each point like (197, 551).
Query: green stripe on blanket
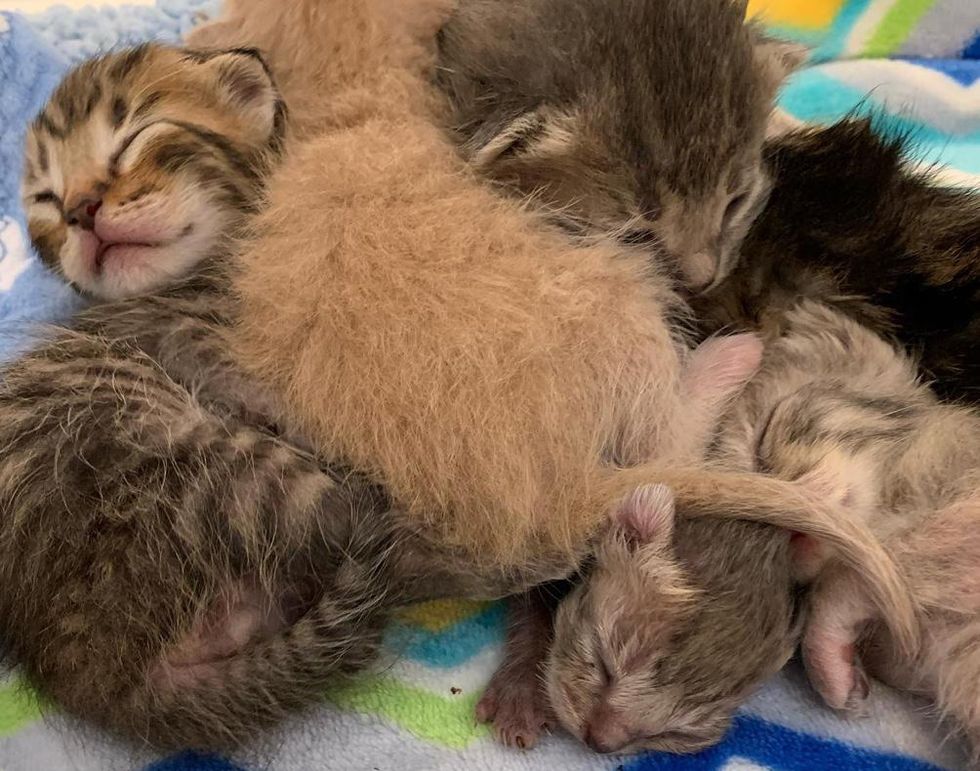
(446, 721)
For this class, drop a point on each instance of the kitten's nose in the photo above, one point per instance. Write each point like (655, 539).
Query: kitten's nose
(605, 741)
(82, 214)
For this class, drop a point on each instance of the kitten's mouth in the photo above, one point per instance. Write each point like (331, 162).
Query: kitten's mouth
(108, 248)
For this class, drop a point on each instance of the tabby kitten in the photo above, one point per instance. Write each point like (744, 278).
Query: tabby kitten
(839, 409)
(640, 119)
(851, 224)
(144, 164)
(170, 569)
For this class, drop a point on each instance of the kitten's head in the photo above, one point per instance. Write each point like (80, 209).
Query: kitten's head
(145, 162)
(637, 118)
(661, 643)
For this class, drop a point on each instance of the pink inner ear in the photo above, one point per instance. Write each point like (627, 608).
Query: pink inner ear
(647, 513)
(720, 366)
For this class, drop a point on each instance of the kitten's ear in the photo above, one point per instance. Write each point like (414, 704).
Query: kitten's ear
(778, 59)
(809, 553)
(543, 131)
(245, 83)
(646, 515)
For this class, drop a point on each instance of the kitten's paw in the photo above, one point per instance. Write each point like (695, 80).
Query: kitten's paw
(837, 675)
(857, 700)
(515, 704)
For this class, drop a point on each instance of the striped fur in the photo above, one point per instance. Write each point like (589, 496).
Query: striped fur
(143, 163)
(850, 223)
(145, 496)
(841, 410)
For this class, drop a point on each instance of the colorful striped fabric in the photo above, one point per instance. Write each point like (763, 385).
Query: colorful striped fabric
(416, 712)
(850, 29)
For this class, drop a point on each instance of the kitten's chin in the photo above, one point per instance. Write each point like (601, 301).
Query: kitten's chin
(121, 270)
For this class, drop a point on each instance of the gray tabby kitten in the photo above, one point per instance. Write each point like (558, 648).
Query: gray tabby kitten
(643, 119)
(674, 628)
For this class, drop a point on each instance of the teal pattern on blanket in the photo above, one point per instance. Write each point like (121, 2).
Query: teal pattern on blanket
(417, 712)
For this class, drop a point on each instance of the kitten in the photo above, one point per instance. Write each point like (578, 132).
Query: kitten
(851, 224)
(672, 628)
(640, 119)
(170, 568)
(842, 412)
(140, 167)
(875, 439)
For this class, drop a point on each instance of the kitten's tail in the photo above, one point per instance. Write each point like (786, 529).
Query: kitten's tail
(760, 498)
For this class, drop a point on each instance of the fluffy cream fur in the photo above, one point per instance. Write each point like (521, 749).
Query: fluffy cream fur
(441, 337)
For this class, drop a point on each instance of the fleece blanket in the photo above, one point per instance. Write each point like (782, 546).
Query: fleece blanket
(915, 64)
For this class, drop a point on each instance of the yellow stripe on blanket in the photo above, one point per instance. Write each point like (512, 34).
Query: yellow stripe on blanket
(438, 615)
(798, 14)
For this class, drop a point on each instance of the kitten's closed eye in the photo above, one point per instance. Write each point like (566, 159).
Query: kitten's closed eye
(47, 196)
(734, 208)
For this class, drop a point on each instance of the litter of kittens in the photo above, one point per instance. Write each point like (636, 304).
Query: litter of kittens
(142, 416)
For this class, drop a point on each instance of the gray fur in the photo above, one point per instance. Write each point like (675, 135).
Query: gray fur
(640, 118)
(662, 641)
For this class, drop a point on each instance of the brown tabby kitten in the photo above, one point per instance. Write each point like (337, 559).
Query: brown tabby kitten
(170, 569)
(639, 118)
(143, 164)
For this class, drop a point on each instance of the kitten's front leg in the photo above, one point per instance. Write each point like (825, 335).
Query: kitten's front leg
(515, 700)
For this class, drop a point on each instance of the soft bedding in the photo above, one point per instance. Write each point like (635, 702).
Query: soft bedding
(914, 64)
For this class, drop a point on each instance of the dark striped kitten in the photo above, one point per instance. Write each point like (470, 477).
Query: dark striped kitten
(144, 163)
(851, 223)
(643, 119)
(169, 568)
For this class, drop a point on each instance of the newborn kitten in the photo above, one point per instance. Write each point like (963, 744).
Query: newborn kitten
(850, 224)
(418, 309)
(643, 119)
(142, 166)
(170, 569)
(672, 629)
(873, 438)
(840, 411)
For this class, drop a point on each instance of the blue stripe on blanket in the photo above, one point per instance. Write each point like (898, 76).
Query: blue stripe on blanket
(453, 646)
(965, 72)
(972, 51)
(192, 761)
(758, 744)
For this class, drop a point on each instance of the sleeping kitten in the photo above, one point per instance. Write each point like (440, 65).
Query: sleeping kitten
(142, 166)
(849, 223)
(846, 414)
(643, 119)
(170, 569)
(842, 412)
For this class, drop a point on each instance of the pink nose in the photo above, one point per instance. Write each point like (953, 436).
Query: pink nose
(606, 737)
(83, 213)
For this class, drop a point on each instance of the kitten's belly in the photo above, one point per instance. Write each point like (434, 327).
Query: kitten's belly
(434, 335)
